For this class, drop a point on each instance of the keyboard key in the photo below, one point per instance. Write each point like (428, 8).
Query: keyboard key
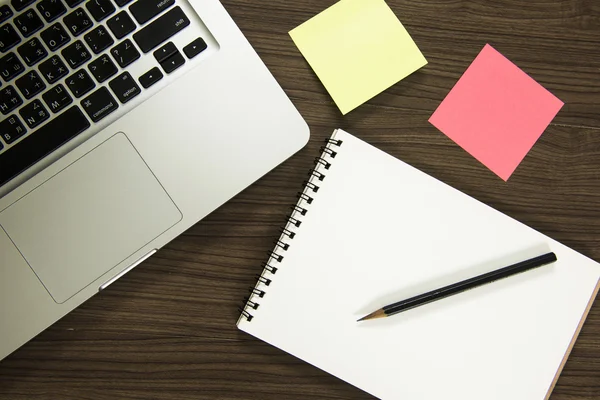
(39, 144)
(102, 68)
(80, 83)
(20, 5)
(100, 9)
(78, 22)
(32, 51)
(121, 24)
(8, 38)
(51, 9)
(144, 10)
(125, 53)
(34, 113)
(9, 100)
(150, 77)
(1, 145)
(10, 66)
(5, 13)
(12, 129)
(98, 39)
(173, 62)
(31, 84)
(121, 3)
(57, 98)
(165, 52)
(28, 23)
(99, 104)
(76, 54)
(124, 87)
(53, 69)
(73, 3)
(195, 48)
(55, 37)
(161, 30)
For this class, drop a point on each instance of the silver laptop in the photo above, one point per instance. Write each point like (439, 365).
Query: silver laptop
(122, 124)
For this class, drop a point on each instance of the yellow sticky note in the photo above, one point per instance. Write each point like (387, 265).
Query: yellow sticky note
(357, 48)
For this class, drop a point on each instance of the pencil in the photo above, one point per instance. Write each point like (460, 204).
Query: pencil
(459, 287)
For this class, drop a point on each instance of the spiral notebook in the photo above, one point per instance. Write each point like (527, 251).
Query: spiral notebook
(369, 230)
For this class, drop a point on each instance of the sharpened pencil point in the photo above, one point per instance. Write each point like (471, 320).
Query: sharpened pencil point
(375, 314)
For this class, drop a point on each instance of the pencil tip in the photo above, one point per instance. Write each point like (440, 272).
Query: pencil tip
(376, 314)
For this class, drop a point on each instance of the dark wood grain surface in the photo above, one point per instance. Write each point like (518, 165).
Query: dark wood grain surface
(167, 329)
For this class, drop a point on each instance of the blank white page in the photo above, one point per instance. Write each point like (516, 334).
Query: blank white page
(379, 231)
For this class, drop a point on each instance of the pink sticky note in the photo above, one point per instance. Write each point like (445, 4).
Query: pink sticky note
(496, 112)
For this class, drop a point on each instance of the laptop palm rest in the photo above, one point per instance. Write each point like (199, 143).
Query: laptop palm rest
(89, 217)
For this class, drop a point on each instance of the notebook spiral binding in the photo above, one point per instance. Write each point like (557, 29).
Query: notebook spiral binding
(287, 232)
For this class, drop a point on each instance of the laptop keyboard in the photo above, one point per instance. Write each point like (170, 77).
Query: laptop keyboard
(66, 65)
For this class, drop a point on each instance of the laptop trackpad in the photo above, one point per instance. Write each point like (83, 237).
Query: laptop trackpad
(89, 217)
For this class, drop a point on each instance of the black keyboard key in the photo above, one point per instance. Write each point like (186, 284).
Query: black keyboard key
(99, 39)
(80, 83)
(10, 66)
(165, 52)
(99, 104)
(32, 51)
(124, 87)
(102, 68)
(76, 54)
(73, 3)
(9, 99)
(78, 22)
(5, 13)
(34, 113)
(53, 69)
(195, 48)
(144, 10)
(57, 98)
(21, 4)
(150, 77)
(44, 141)
(12, 129)
(173, 62)
(55, 37)
(8, 38)
(121, 3)
(121, 24)
(31, 84)
(100, 9)
(28, 23)
(51, 9)
(161, 30)
(125, 53)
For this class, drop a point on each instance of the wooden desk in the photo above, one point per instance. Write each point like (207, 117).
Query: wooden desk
(167, 329)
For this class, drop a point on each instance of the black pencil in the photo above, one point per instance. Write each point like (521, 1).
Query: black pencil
(459, 287)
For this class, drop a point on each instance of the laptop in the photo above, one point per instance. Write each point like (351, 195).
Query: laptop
(122, 124)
